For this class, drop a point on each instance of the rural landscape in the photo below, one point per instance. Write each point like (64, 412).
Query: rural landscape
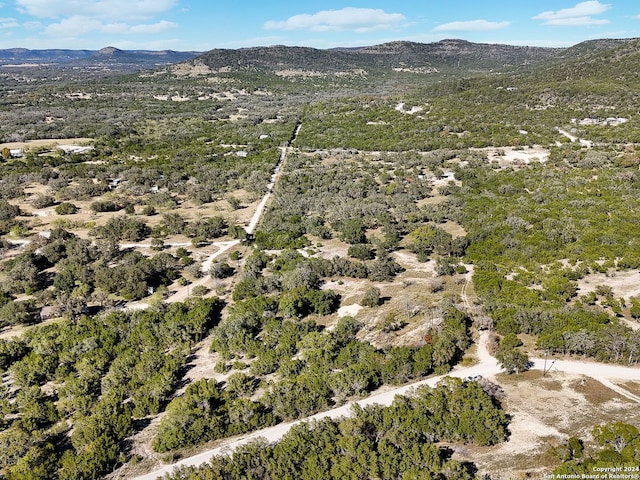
(407, 260)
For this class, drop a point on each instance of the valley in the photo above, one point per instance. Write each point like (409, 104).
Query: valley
(379, 258)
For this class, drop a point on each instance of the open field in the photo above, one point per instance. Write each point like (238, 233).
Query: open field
(46, 142)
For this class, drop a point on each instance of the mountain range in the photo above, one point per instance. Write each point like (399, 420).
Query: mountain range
(447, 56)
(108, 55)
(444, 55)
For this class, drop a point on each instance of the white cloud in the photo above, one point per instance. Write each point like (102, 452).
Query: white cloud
(579, 15)
(98, 9)
(349, 18)
(75, 25)
(577, 22)
(161, 26)
(8, 23)
(79, 25)
(471, 26)
(32, 25)
(114, 28)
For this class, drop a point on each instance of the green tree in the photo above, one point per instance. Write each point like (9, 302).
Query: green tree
(221, 270)
(352, 231)
(361, 251)
(510, 357)
(39, 462)
(371, 297)
(8, 211)
(66, 208)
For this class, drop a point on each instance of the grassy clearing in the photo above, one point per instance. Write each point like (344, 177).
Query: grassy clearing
(595, 392)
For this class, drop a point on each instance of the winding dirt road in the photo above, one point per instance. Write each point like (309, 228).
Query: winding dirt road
(486, 367)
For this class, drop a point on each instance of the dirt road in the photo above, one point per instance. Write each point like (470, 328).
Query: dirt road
(486, 367)
(253, 223)
(182, 294)
(573, 138)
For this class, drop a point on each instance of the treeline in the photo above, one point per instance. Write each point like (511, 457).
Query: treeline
(398, 441)
(124, 105)
(81, 386)
(520, 109)
(71, 274)
(155, 163)
(466, 113)
(288, 370)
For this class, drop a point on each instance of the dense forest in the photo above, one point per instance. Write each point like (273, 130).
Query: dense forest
(80, 373)
(376, 442)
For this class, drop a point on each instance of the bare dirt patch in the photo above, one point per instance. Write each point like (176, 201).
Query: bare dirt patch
(349, 310)
(16, 331)
(300, 73)
(565, 405)
(409, 262)
(623, 284)
(48, 142)
(12, 332)
(453, 228)
(593, 391)
(191, 70)
(409, 111)
(508, 156)
(633, 387)
(347, 288)
(435, 199)
(332, 248)
(200, 365)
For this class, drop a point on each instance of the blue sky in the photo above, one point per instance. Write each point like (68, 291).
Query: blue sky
(206, 24)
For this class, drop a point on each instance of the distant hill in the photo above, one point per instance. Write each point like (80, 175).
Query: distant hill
(19, 56)
(459, 53)
(163, 57)
(590, 47)
(105, 56)
(613, 61)
(446, 56)
(606, 58)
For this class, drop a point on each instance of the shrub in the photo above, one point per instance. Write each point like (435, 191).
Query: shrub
(361, 251)
(149, 210)
(66, 208)
(104, 206)
(371, 297)
(199, 290)
(221, 270)
(42, 201)
(234, 202)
